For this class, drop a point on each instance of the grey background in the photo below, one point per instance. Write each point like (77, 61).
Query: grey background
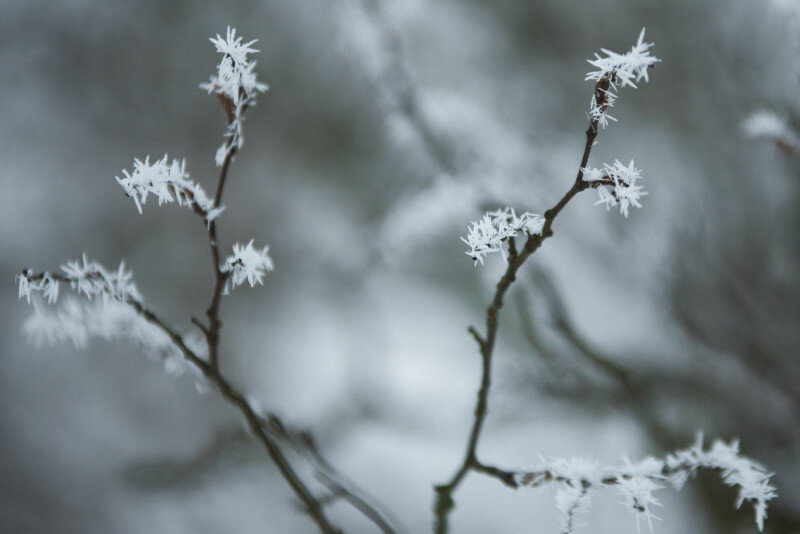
(387, 128)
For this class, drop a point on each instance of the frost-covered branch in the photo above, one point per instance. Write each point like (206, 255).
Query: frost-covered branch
(495, 229)
(488, 235)
(637, 482)
(113, 307)
(615, 71)
(88, 278)
(616, 184)
(168, 182)
(236, 86)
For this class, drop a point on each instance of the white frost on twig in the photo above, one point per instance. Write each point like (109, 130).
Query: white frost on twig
(169, 182)
(89, 278)
(236, 85)
(624, 191)
(246, 263)
(492, 231)
(638, 482)
(620, 70)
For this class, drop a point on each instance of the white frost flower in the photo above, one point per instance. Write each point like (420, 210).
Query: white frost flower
(246, 263)
(168, 182)
(621, 188)
(492, 231)
(620, 70)
(236, 85)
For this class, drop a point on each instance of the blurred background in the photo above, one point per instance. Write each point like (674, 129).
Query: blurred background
(388, 127)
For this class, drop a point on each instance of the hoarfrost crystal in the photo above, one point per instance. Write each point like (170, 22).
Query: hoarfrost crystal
(621, 187)
(492, 231)
(169, 182)
(235, 84)
(247, 263)
(620, 70)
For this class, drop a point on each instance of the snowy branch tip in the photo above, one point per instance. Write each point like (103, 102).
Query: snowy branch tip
(637, 482)
(495, 228)
(619, 70)
(235, 85)
(168, 182)
(246, 263)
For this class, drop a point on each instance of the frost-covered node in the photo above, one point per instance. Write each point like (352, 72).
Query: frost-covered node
(620, 70)
(168, 182)
(621, 185)
(637, 482)
(246, 263)
(235, 84)
(492, 231)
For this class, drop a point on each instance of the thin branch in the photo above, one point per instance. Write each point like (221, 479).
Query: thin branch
(253, 420)
(214, 324)
(303, 442)
(474, 333)
(444, 499)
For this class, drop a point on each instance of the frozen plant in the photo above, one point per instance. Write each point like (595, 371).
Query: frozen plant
(112, 307)
(168, 182)
(636, 482)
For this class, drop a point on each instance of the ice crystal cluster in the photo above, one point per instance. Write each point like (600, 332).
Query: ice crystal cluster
(167, 182)
(88, 278)
(235, 85)
(247, 263)
(495, 228)
(617, 184)
(619, 70)
(637, 482)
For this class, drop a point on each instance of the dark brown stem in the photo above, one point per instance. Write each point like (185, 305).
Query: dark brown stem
(444, 492)
(214, 324)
